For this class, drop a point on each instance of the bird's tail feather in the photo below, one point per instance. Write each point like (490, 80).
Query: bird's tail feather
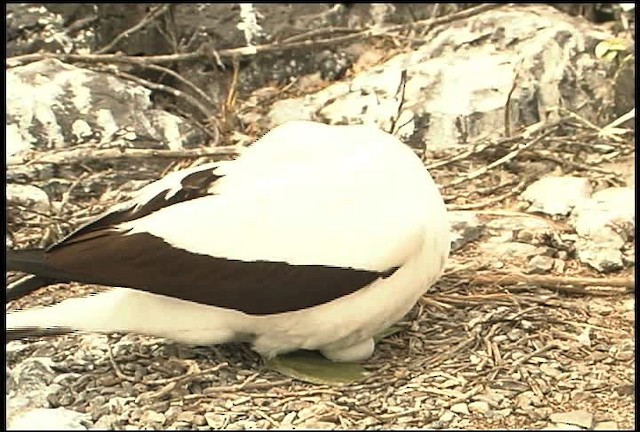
(25, 332)
(31, 261)
(77, 314)
(27, 285)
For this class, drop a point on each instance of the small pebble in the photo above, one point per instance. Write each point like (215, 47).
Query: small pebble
(561, 426)
(188, 416)
(172, 413)
(479, 407)
(559, 265)
(549, 370)
(515, 335)
(288, 419)
(318, 425)
(447, 416)
(460, 408)
(198, 419)
(154, 417)
(180, 426)
(501, 413)
(546, 251)
(578, 417)
(606, 425)
(525, 236)
(214, 420)
(108, 421)
(540, 264)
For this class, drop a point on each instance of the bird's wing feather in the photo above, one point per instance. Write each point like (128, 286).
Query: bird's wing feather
(264, 238)
(176, 187)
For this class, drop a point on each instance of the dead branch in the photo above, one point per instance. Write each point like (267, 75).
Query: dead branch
(496, 199)
(206, 111)
(507, 105)
(86, 154)
(400, 96)
(577, 165)
(480, 145)
(80, 24)
(317, 32)
(186, 82)
(510, 156)
(526, 358)
(173, 382)
(203, 53)
(601, 131)
(569, 284)
(146, 20)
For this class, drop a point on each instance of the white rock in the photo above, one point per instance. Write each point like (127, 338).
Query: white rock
(465, 228)
(604, 257)
(28, 196)
(607, 214)
(557, 195)
(604, 223)
(49, 419)
(442, 105)
(52, 104)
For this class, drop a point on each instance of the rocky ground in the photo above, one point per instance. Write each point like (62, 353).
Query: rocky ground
(531, 327)
(487, 356)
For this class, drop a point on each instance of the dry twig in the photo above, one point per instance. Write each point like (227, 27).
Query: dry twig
(496, 199)
(400, 96)
(574, 285)
(203, 53)
(147, 19)
(510, 156)
(82, 155)
(206, 111)
(173, 382)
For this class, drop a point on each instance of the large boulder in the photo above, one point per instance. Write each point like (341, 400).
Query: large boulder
(459, 80)
(53, 105)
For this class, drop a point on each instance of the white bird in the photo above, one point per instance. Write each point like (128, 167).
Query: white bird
(316, 237)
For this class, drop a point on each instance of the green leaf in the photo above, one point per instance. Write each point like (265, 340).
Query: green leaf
(605, 48)
(312, 367)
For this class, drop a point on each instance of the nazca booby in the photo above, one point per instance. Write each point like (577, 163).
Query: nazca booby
(316, 237)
